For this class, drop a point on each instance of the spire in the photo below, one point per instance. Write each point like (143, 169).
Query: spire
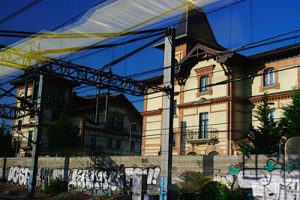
(194, 25)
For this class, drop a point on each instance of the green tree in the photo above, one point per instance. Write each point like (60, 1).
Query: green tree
(263, 139)
(5, 141)
(290, 122)
(62, 137)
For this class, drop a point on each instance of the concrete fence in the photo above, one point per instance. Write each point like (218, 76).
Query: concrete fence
(265, 175)
(207, 164)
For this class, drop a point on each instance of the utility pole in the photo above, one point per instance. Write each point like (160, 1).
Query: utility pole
(167, 123)
(36, 140)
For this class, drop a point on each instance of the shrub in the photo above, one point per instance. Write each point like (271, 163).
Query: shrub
(240, 193)
(193, 181)
(191, 185)
(214, 190)
(55, 186)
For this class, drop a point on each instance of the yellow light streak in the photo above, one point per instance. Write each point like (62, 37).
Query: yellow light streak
(20, 59)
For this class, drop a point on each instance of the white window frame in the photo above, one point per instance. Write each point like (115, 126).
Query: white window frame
(204, 82)
(269, 77)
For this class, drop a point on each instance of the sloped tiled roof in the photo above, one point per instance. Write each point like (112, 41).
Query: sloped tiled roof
(277, 54)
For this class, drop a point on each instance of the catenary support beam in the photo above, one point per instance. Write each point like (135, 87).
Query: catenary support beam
(91, 77)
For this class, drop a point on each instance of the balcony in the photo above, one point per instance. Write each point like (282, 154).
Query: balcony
(25, 145)
(196, 137)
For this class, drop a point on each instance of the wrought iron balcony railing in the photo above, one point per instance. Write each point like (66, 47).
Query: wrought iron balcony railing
(196, 136)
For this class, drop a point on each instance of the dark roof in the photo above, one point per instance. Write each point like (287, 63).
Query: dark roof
(56, 80)
(277, 54)
(156, 80)
(194, 26)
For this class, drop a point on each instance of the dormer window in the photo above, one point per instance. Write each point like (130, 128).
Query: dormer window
(269, 77)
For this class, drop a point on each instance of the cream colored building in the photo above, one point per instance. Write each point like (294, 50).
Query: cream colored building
(279, 75)
(212, 113)
(57, 94)
(120, 134)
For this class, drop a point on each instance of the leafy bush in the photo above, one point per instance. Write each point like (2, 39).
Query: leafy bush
(240, 193)
(55, 186)
(214, 190)
(197, 186)
(191, 185)
(193, 181)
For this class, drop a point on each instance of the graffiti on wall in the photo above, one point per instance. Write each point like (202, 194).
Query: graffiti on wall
(19, 175)
(270, 182)
(105, 180)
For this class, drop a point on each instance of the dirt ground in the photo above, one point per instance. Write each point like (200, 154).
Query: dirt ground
(12, 191)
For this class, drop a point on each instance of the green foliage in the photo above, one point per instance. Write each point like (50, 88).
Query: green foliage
(191, 185)
(290, 121)
(214, 190)
(245, 148)
(55, 186)
(193, 181)
(5, 141)
(263, 139)
(196, 186)
(62, 137)
(241, 194)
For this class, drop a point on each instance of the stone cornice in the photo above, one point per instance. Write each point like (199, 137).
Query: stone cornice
(272, 97)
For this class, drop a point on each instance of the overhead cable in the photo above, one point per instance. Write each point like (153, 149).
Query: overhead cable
(131, 53)
(50, 35)
(21, 10)
(101, 46)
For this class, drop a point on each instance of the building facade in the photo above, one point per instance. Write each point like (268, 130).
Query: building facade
(57, 95)
(278, 75)
(216, 95)
(118, 133)
(115, 131)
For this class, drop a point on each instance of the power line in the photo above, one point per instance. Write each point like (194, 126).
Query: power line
(252, 47)
(221, 83)
(51, 35)
(19, 11)
(78, 15)
(239, 49)
(224, 82)
(249, 44)
(162, 20)
(98, 42)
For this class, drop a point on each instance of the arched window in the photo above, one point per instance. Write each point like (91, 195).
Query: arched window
(269, 77)
(204, 81)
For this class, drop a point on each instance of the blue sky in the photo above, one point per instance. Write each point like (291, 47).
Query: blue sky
(242, 23)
